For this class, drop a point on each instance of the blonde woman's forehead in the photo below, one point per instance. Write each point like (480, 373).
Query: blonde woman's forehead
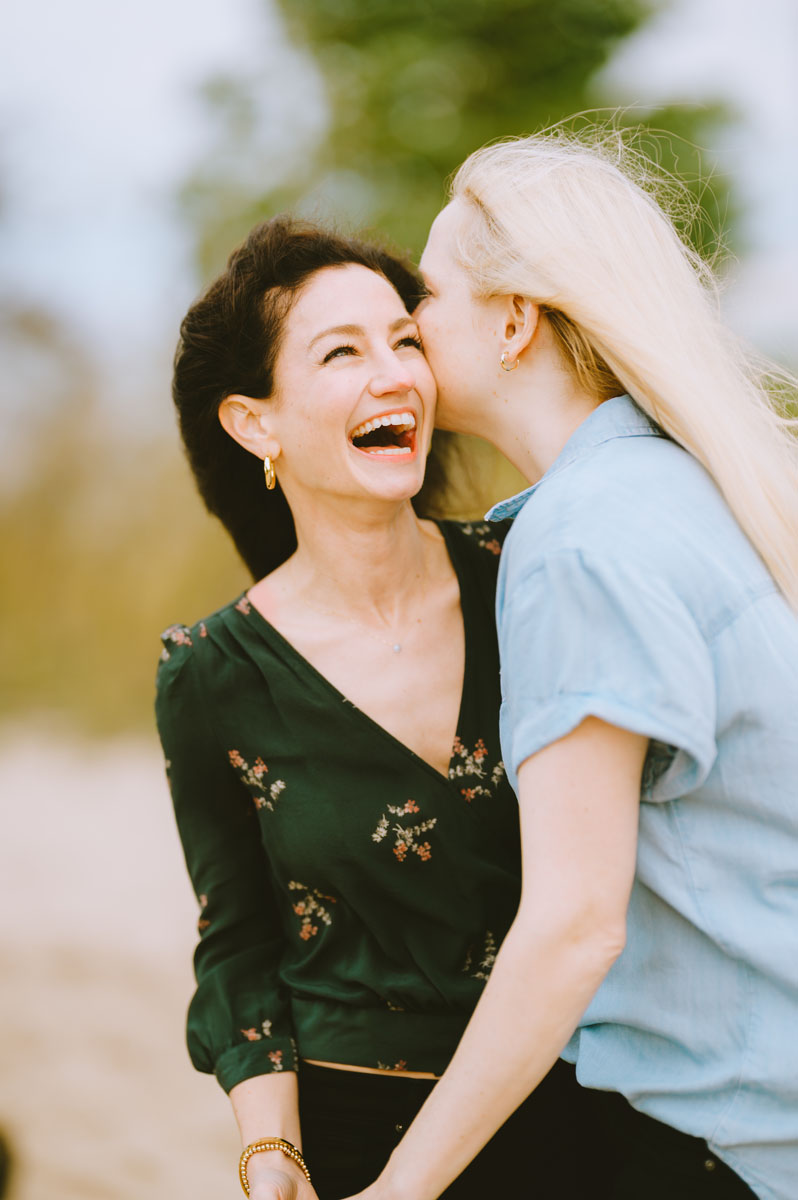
(443, 229)
(440, 250)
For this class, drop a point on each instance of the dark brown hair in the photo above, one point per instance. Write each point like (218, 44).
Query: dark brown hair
(229, 342)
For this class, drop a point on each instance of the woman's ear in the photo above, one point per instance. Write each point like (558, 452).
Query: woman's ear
(249, 424)
(521, 321)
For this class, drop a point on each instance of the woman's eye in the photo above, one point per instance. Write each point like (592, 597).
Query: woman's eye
(411, 340)
(338, 352)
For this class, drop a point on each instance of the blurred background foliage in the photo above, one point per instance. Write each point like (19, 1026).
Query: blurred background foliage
(411, 90)
(102, 540)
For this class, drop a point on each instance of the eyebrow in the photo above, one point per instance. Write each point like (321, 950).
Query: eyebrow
(358, 330)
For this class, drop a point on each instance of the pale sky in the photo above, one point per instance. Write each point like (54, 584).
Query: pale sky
(99, 123)
(748, 55)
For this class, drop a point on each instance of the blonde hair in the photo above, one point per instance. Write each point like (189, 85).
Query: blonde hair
(569, 223)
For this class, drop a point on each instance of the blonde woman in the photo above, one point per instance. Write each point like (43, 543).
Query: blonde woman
(647, 618)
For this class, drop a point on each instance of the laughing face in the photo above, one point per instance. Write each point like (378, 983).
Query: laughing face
(353, 406)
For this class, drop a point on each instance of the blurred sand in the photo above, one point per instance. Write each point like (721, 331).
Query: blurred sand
(97, 1093)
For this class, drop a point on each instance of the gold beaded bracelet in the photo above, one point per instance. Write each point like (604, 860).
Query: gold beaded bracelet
(273, 1143)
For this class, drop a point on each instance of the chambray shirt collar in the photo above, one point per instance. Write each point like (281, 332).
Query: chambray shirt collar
(614, 418)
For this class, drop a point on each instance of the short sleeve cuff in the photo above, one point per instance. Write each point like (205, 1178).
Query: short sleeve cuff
(585, 635)
(679, 758)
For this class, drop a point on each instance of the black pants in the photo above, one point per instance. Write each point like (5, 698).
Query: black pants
(563, 1143)
(655, 1162)
(351, 1122)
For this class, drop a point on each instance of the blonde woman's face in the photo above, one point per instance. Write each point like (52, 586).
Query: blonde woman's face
(461, 333)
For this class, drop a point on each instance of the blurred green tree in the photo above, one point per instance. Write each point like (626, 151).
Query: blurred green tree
(411, 90)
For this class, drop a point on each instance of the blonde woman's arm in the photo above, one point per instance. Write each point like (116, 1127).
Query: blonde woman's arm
(579, 801)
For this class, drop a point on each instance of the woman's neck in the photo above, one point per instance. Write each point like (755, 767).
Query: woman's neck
(361, 560)
(533, 421)
(529, 413)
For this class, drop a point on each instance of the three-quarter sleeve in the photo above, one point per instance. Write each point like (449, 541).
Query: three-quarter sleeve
(587, 636)
(239, 1022)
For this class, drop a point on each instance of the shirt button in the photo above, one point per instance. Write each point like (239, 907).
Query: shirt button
(399, 1128)
(709, 1164)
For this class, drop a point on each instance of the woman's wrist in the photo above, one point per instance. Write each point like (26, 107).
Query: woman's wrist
(393, 1184)
(262, 1166)
(270, 1159)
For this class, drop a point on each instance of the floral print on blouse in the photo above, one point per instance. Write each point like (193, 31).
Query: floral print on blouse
(352, 898)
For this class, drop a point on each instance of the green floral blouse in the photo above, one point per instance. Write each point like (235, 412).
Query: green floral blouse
(352, 898)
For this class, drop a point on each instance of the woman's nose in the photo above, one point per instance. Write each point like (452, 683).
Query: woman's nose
(392, 375)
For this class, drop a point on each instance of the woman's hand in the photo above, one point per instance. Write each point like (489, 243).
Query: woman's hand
(277, 1180)
(275, 1184)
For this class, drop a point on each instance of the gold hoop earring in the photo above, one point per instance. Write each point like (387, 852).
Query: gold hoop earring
(503, 362)
(268, 471)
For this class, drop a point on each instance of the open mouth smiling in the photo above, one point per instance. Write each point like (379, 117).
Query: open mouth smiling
(392, 433)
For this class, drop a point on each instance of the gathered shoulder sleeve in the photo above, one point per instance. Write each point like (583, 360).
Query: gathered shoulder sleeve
(239, 1021)
(585, 635)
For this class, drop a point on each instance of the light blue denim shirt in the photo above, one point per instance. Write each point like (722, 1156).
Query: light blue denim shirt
(627, 591)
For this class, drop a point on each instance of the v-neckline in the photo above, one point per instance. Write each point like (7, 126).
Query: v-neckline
(270, 632)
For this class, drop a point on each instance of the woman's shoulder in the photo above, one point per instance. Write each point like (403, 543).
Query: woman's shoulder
(206, 638)
(644, 504)
(199, 666)
(475, 549)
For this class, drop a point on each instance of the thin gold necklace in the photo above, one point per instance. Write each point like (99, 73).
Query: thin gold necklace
(329, 612)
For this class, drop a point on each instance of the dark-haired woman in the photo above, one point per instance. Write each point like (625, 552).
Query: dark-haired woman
(332, 735)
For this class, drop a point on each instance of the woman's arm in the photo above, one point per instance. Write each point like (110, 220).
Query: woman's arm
(239, 1023)
(268, 1106)
(579, 801)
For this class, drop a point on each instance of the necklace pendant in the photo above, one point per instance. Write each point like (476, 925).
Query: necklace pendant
(396, 647)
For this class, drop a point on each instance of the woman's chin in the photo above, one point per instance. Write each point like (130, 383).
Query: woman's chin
(392, 477)
(393, 488)
(398, 493)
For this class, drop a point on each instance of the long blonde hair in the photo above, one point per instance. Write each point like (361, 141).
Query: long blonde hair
(568, 222)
